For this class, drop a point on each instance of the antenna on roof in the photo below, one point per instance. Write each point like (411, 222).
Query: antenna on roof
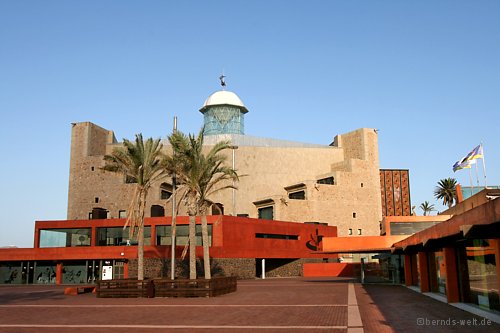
(222, 80)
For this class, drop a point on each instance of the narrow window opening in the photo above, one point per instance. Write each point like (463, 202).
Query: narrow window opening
(96, 199)
(361, 184)
(92, 168)
(350, 231)
(353, 215)
(299, 195)
(359, 231)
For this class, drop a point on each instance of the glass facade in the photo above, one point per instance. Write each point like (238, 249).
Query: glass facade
(440, 272)
(164, 233)
(65, 237)
(115, 236)
(224, 119)
(483, 279)
(44, 272)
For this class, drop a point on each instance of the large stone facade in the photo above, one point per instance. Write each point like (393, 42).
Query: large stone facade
(273, 172)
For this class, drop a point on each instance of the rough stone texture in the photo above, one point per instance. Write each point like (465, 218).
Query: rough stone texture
(154, 268)
(351, 160)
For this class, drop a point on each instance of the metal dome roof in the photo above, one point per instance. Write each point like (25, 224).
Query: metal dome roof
(224, 97)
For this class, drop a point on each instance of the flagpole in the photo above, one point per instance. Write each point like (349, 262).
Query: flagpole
(471, 183)
(484, 166)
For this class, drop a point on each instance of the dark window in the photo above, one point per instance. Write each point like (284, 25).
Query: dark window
(353, 215)
(166, 191)
(130, 179)
(98, 214)
(361, 184)
(300, 195)
(92, 168)
(164, 235)
(96, 200)
(277, 236)
(328, 181)
(217, 209)
(359, 231)
(266, 213)
(157, 210)
(350, 231)
(242, 215)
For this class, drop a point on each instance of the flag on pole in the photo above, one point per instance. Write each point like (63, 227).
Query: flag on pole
(469, 159)
(475, 153)
(463, 164)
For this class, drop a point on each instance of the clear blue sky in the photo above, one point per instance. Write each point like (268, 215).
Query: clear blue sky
(425, 73)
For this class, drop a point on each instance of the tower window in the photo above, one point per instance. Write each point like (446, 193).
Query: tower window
(299, 195)
(96, 199)
(361, 184)
(327, 180)
(350, 231)
(92, 168)
(353, 215)
(166, 191)
(359, 231)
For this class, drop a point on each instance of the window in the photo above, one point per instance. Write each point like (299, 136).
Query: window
(266, 213)
(92, 168)
(350, 231)
(130, 180)
(299, 195)
(164, 235)
(122, 214)
(65, 237)
(277, 236)
(327, 181)
(217, 209)
(166, 191)
(353, 215)
(359, 231)
(114, 236)
(96, 199)
(157, 210)
(361, 184)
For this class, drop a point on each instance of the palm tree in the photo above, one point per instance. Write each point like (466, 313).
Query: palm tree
(426, 207)
(201, 175)
(446, 191)
(140, 163)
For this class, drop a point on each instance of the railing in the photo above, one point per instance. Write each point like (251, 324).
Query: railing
(167, 288)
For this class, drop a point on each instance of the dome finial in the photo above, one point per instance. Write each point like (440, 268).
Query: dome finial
(222, 81)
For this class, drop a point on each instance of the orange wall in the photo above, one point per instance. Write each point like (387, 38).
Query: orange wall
(331, 269)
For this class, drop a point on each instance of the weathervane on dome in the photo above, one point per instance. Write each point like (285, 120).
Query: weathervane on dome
(222, 81)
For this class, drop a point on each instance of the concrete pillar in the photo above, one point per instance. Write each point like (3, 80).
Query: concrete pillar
(423, 264)
(59, 273)
(450, 264)
(433, 279)
(93, 238)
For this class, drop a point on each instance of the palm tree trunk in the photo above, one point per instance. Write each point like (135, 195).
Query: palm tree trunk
(206, 251)
(192, 247)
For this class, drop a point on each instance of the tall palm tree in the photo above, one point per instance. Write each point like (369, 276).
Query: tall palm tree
(446, 191)
(201, 175)
(426, 207)
(141, 163)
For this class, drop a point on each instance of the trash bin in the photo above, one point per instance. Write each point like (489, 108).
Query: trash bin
(150, 289)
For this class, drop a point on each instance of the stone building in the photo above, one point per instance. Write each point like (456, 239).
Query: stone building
(337, 184)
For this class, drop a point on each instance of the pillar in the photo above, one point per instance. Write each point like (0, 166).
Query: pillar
(414, 269)
(450, 264)
(59, 273)
(423, 264)
(433, 280)
(408, 269)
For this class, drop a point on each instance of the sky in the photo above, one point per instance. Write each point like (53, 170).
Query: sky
(426, 74)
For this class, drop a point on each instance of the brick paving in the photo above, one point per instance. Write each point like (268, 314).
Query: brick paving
(272, 305)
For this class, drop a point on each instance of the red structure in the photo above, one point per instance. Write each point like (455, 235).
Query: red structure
(77, 251)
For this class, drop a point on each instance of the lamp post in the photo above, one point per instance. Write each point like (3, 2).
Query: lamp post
(174, 216)
(233, 148)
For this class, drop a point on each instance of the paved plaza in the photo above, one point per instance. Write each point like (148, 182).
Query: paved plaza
(272, 305)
